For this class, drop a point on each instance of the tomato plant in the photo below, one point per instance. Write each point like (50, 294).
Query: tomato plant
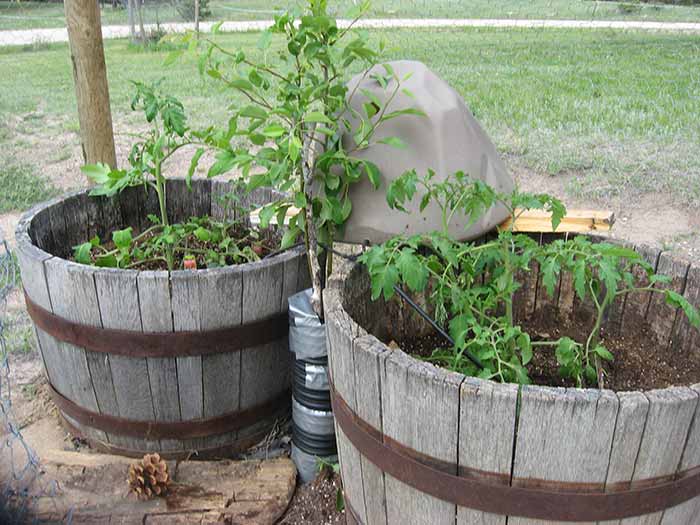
(472, 285)
(297, 121)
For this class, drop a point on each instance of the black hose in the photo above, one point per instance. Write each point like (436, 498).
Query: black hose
(417, 308)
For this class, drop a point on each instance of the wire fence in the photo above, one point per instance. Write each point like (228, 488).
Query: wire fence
(20, 471)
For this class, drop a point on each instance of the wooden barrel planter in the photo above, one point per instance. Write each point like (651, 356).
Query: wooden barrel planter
(178, 362)
(422, 445)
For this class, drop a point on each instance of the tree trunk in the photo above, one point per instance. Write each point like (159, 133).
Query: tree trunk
(90, 76)
(196, 16)
(140, 13)
(132, 26)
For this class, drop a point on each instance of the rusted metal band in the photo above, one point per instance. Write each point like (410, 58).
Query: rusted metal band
(483, 491)
(159, 344)
(194, 428)
(225, 451)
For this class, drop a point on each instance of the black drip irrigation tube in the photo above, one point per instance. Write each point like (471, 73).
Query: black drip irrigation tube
(417, 308)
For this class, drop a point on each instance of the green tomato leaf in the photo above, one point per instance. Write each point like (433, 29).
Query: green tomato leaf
(193, 166)
(97, 173)
(202, 234)
(373, 173)
(82, 253)
(289, 238)
(413, 273)
(394, 142)
(317, 116)
(254, 112)
(678, 301)
(122, 238)
(580, 284)
(603, 353)
(565, 351)
(273, 131)
(107, 261)
(525, 348)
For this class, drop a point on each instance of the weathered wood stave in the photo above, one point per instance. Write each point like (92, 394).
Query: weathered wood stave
(155, 388)
(598, 440)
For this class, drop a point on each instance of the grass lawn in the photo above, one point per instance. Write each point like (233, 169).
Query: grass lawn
(21, 188)
(614, 112)
(27, 15)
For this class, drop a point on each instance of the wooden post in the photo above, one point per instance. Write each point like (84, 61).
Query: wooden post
(90, 76)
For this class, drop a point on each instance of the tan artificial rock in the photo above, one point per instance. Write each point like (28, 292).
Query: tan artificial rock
(447, 139)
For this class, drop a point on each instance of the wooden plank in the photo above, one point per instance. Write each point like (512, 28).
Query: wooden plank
(585, 310)
(156, 316)
(612, 323)
(179, 207)
(220, 306)
(149, 206)
(221, 209)
(660, 316)
(420, 405)
(487, 422)
(75, 211)
(31, 263)
(304, 276)
(59, 231)
(185, 300)
(637, 304)
(251, 200)
(685, 337)
(688, 512)
(340, 340)
(566, 292)
(545, 303)
(111, 217)
(87, 378)
(118, 298)
(200, 197)
(563, 435)
(670, 415)
(629, 428)
(537, 221)
(265, 369)
(130, 207)
(93, 490)
(369, 356)
(93, 211)
(525, 297)
(290, 285)
(39, 228)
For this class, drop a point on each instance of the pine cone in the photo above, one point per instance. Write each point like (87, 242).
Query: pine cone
(149, 477)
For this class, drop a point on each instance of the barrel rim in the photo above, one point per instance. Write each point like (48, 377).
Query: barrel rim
(26, 245)
(334, 297)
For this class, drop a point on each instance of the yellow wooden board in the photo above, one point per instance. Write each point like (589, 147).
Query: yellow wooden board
(536, 221)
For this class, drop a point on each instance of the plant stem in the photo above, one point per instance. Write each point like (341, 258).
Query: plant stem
(162, 203)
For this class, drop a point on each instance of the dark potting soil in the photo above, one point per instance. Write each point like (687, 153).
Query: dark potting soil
(641, 362)
(315, 502)
(268, 241)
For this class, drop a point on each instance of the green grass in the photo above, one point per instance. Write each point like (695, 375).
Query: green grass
(28, 15)
(22, 187)
(613, 112)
